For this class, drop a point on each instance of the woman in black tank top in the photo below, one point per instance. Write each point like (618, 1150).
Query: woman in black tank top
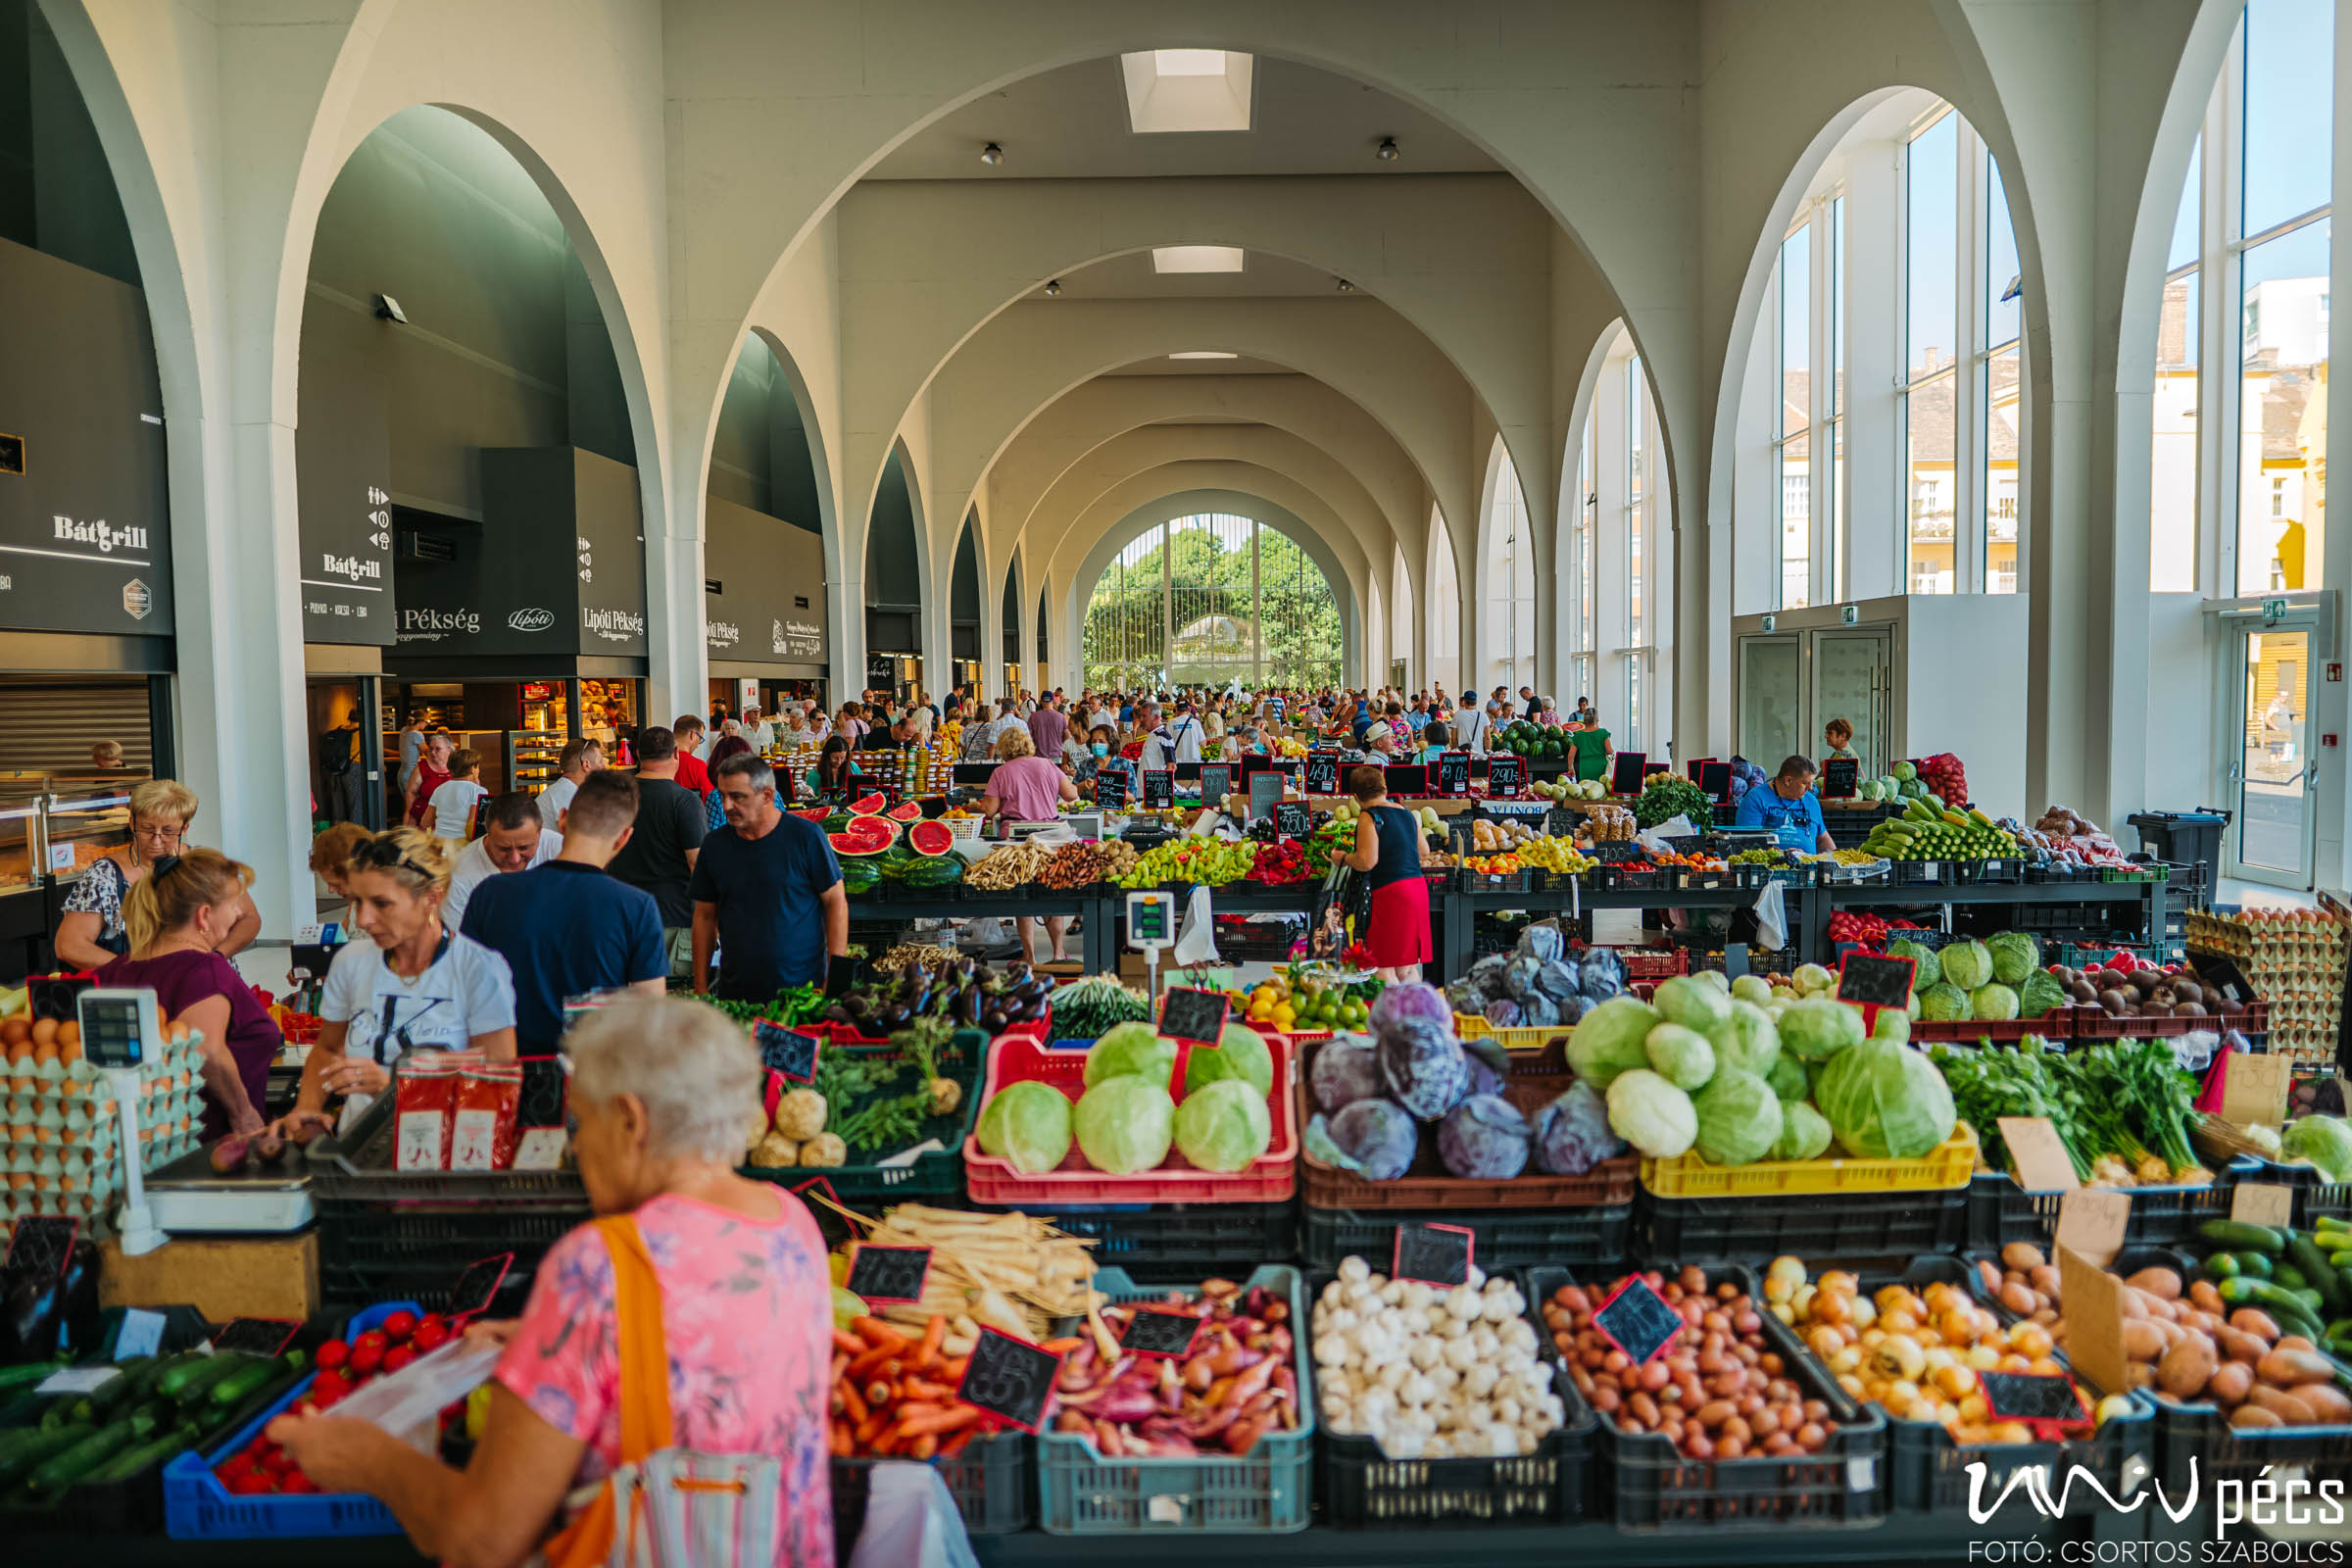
(1388, 850)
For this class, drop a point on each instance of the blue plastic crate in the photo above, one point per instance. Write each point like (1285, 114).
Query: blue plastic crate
(197, 1507)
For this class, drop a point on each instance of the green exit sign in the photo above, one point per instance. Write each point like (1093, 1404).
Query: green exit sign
(2273, 610)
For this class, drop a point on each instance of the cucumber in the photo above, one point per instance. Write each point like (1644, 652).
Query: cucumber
(188, 1383)
(66, 1468)
(2238, 1235)
(140, 1457)
(17, 1377)
(247, 1381)
(2257, 1264)
(2320, 1275)
(2290, 1277)
(97, 1405)
(28, 1446)
(2267, 1294)
(2222, 1267)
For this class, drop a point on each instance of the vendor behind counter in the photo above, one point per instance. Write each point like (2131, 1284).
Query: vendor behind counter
(1786, 807)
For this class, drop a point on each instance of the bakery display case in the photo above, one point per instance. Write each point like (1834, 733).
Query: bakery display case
(86, 819)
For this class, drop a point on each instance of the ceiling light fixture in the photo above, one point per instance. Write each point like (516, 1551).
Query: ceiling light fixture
(1205, 354)
(1052, 289)
(1387, 151)
(1196, 258)
(992, 155)
(1347, 287)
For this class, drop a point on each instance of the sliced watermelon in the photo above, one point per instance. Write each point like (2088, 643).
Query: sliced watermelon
(868, 805)
(906, 811)
(930, 838)
(866, 835)
(813, 814)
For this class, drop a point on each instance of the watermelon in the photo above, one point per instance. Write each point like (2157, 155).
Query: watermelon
(866, 835)
(906, 811)
(868, 805)
(930, 838)
(811, 813)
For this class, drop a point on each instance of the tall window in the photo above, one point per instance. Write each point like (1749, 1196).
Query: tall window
(1636, 485)
(1809, 420)
(1509, 632)
(1797, 417)
(1617, 574)
(2001, 387)
(1444, 606)
(1582, 544)
(1931, 319)
(1208, 598)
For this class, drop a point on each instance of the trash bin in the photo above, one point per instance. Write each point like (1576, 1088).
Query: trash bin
(2186, 838)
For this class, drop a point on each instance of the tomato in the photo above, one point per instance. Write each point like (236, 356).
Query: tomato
(365, 1358)
(251, 1484)
(374, 1340)
(327, 1387)
(430, 1334)
(298, 1482)
(400, 1325)
(400, 1355)
(332, 1354)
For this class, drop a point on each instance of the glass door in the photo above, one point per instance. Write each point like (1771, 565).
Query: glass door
(1853, 679)
(1771, 700)
(2267, 753)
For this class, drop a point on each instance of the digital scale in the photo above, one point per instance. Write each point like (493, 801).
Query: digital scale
(120, 1031)
(1152, 928)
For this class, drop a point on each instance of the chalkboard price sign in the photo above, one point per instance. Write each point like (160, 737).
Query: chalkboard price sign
(888, 1273)
(1506, 775)
(1010, 1379)
(1292, 820)
(1625, 774)
(1434, 1255)
(40, 1246)
(1110, 787)
(1874, 980)
(1216, 782)
(1150, 1331)
(786, 1050)
(1639, 1321)
(1159, 788)
(1195, 1016)
(478, 1287)
(1560, 822)
(1322, 772)
(1453, 774)
(1715, 778)
(2032, 1396)
(256, 1336)
(1265, 794)
(2217, 971)
(1407, 778)
(1841, 777)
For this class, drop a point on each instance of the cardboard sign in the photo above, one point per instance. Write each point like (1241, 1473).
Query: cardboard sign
(1150, 1331)
(256, 1336)
(2039, 1398)
(2094, 1316)
(1159, 788)
(1198, 1016)
(1873, 980)
(1292, 820)
(1454, 774)
(888, 1273)
(1841, 778)
(1406, 778)
(1637, 1320)
(1216, 782)
(1506, 775)
(2038, 1153)
(1433, 1255)
(540, 1148)
(1322, 772)
(1625, 773)
(1110, 787)
(2255, 1089)
(1265, 795)
(1715, 778)
(1009, 1379)
(786, 1050)
(2262, 1204)
(2092, 1222)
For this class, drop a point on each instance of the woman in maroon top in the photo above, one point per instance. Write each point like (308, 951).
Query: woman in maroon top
(178, 917)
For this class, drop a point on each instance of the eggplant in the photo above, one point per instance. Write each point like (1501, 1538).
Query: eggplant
(995, 1020)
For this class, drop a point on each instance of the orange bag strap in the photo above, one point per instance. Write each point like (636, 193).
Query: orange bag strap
(587, 1542)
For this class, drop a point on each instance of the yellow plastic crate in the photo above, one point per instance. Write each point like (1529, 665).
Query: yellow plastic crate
(1949, 1164)
(1470, 1026)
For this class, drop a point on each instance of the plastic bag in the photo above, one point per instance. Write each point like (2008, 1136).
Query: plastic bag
(1772, 918)
(1196, 937)
(409, 1403)
(910, 1521)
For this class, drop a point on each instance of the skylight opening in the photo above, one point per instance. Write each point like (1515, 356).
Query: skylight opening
(1196, 258)
(1187, 89)
(1205, 354)
(1189, 62)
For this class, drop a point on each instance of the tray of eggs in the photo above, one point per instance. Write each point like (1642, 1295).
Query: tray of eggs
(63, 1150)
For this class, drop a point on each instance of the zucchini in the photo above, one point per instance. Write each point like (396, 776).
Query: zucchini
(247, 1381)
(2290, 1277)
(2320, 1275)
(139, 1457)
(2222, 1267)
(2257, 1264)
(188, 1383)
(2270, 1297)
(66, 1468)
(98, 1404)
(27, 1446)
(16, 1377)
(2238, 1235)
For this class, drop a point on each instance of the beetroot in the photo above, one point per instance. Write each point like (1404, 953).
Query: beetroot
(228, 1155)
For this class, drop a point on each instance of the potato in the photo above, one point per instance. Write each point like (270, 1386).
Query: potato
(2254, 1415)
(2188, 1366)
(2284, 1405)
(2020, 1298)
(2022, 1255)
(2203, 1295)
(2330, 1404)
(2142, 1342)
(2239, 1346)
(2231, 1382)
(2157, 1282)
(2295, 1342)
(2284, 1369)
(2255, 1321)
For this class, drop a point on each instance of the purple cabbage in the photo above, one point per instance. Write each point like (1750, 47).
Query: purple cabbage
(1485, 1138)
(1572, 1133)
(1344, 1071)
(1405, 1006)
(1425, 1068)
(1377, 1137)
(1502, 1014)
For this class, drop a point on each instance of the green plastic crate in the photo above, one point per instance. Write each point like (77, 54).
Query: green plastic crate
(935, 1176)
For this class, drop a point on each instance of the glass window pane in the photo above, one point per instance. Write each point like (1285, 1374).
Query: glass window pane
(1931, 246)
(1797, 522)
(1835, 501)
(2290, 48)
(1837, 306)
(2283, 414)
(2000, 260)
(2002, 411)
(2172, 456)
(1633, 427)
(1930, 472)
(2184, 220)
(1796, 330)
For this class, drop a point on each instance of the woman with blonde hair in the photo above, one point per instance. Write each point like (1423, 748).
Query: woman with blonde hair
(414, 985)
(1028, 788)
(176, 917)
(91, 932)
(331, 856)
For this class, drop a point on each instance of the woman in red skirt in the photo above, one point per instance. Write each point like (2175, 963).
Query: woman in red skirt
(1388, 850)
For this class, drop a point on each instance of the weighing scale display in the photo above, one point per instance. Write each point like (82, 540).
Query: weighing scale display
(1150, 923)
(119, 1028)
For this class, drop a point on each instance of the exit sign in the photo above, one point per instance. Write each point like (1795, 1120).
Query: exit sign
(2273, 610)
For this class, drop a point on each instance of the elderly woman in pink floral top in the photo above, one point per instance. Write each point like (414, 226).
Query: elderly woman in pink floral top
(664, 1089)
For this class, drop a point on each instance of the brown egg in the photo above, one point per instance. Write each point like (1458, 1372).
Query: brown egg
(44, 1032)
(15, 1031)
(69, 1033)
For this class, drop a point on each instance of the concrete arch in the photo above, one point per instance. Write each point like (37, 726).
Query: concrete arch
(1193, 495)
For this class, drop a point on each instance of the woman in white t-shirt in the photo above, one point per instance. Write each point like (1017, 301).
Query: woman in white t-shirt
(413, 985)
(452, 806)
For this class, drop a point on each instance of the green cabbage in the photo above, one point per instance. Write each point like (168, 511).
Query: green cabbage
(1224, 1125)
(1967, 964)
(2015, 956)
(1751, 988)
(1994, 1003)
(1609, 1040)
(1890, 1024)
(1818, 1028)
(2041, 993)
(1924, 970)
(1906, 771)
(1651, 1114)
(1804, 1131)
(1944, 1002)
(1750, 1040)
(1131, 1051)
(1691, 1002)
(1682, 1056)
(1812, 977)
(1241, 1053)
(1125, 1125)
(2325, 1141)
(1738, 1118)
(1788, 1079)
(1884, 1101)
(1027, 1123)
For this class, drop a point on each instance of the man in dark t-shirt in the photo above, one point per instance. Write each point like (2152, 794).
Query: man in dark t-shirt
(658, 856)
(767, 893)
(566, 928)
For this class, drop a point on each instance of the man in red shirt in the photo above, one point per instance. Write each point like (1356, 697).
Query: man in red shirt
(693, 773)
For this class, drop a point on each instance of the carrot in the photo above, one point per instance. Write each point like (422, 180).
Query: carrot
(871, 1360)
(841, 1364)
(1061, 1347)
(935, 1334)
(951, 1370)
(923, 1447)
(887, 1443)
(923, 1389)
(957, 1442)
(851, 1405)
(939, 1420)
(844, 1443)
(869, 1429)
(877, 1333)
(880, 1392)
(848, 1343)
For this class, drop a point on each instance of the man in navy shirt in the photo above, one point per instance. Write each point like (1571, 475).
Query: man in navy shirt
(1787, 807)
(566, 928)
(767, 893)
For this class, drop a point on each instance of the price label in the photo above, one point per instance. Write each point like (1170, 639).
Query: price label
(1216, 782)
(1454, 774)
(2221, 972)
(1560, 822)
(888, 1273)
(1159, 788)
(1506, 775)
(2037, 1396)
(1433, 1255)
(1010, 1379)
(1197, 1016)
(478, 1287)
(1637, 1320)
(2255, 1089)
(1322, 772)
(2262, 1204)
(256, 1336)
(41, 1244)
(1406, 779)
(78, 1379)
(2091, 1223)
(1626, 772)
(545, 1085)
(2094, 1309)
(2038, 1153)
(1265, 795)
(786, 1050)
(1715, 778)
(1154, 1331)
(1292, 821)
(540, 1148)
(1110, 787)
(1874, 980)
(141, 1333)
(1841, 778)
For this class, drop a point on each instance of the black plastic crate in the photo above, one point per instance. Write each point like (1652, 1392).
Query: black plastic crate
(1507, 1238)
(1920, 873)
(993, 1481)
(359, 1169)
(1652, 1487)
(2200, 1437)
(417, 1253)
(1993, 869)
(1188, 1238)
(1361, 1489)
(1815, 1226)
(1999, 1211)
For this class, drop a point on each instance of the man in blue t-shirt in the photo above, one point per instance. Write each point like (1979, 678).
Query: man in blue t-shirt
(567, 928)
(1787, 807)
(767, 893)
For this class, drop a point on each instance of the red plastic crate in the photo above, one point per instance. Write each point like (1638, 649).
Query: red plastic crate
(1654, 963)
(991, 1179)
(2094, 1023)
(2056, 1024)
